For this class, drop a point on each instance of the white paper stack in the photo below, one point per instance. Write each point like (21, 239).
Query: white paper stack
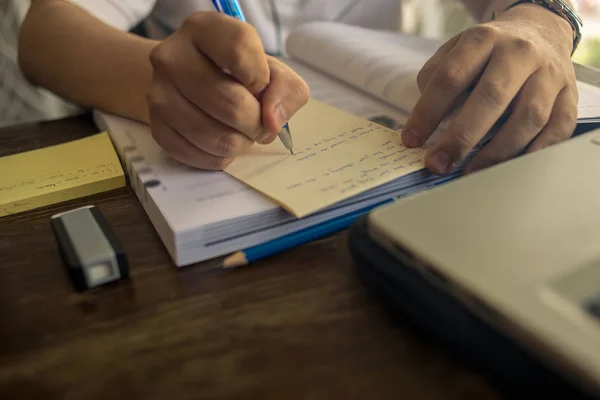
(200, 215)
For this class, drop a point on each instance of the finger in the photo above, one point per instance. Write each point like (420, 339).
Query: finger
(232, 45)
(182, 150)
(531, 112)
(284, 96)
(207, 87)
(505, 74)
(562, 123)
(455, 72)
(201, 130)
(428, 69)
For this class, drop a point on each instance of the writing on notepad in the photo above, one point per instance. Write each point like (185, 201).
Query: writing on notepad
(337, 155)
(369, 167)
(59, 173)
(58, 179)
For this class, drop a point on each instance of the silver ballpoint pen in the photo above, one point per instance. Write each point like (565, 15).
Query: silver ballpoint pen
(286, 138)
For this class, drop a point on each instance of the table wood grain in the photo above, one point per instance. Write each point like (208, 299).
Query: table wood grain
(299, 325)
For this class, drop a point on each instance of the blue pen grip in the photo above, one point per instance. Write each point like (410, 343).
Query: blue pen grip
(217, 5)
(231, 8)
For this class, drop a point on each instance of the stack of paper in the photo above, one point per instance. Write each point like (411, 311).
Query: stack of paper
(343, 163)
(338, 157)
(588, 108)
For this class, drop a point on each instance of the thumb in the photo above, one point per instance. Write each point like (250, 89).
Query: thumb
(283, 97)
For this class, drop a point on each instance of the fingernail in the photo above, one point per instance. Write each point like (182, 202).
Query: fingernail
(409, 138)
(266, 138)
(439, 161)
(280, 116)
(260, 93)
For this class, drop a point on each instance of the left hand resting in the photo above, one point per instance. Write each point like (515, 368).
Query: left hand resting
(518, 63)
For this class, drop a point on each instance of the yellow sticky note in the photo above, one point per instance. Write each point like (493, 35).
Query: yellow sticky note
(337, 155)
(59, 173)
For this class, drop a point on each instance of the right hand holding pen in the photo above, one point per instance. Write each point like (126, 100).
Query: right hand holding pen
(215, 92)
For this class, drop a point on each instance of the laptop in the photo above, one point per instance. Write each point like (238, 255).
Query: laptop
(518, 245)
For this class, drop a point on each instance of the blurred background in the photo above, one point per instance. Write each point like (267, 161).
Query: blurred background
(440, 19)
(444, 19)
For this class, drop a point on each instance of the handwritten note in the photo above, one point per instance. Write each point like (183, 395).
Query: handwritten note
(59, 173)
(337, 156)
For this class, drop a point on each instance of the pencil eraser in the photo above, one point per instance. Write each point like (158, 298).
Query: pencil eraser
(91, 251)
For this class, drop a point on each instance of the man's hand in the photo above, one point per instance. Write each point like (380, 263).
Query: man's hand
(215, 92)
(518, 63)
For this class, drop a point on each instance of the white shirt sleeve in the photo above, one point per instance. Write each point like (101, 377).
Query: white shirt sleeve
(122, 15)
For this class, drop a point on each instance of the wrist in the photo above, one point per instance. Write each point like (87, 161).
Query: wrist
(496, 7)
(556, 17)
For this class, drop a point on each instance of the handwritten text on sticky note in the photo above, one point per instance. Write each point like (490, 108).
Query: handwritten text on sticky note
(59, 173)
(337, 155)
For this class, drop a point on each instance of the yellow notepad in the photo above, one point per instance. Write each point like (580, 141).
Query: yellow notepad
(337, 155)
(59, 173)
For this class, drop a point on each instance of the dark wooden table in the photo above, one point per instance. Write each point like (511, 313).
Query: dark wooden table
(299, 325)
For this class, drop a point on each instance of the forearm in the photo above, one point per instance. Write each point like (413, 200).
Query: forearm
(482, 9)
(83, 60)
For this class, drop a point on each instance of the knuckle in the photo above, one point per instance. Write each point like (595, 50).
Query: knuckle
(567, 118)
(229, 145)
(462, 141)
(232, 106)
(482, 33)
(195, 19)
(258, 82)
(521, 44)
(241, 44)
(237, 55)
(424, 75)
(451, 76)
(493, 92)
(157, 103)
(300, 90)
(294, 89)
(161, 57)
(423, 119)
(536, 114)
(554, 69)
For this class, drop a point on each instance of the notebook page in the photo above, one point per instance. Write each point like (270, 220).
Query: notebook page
(384, 64)
(340, 95)
(337, 155)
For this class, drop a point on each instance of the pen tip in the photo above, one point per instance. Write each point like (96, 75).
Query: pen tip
(292, 151)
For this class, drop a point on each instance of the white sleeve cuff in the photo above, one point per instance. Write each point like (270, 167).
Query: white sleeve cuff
(122, 15)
